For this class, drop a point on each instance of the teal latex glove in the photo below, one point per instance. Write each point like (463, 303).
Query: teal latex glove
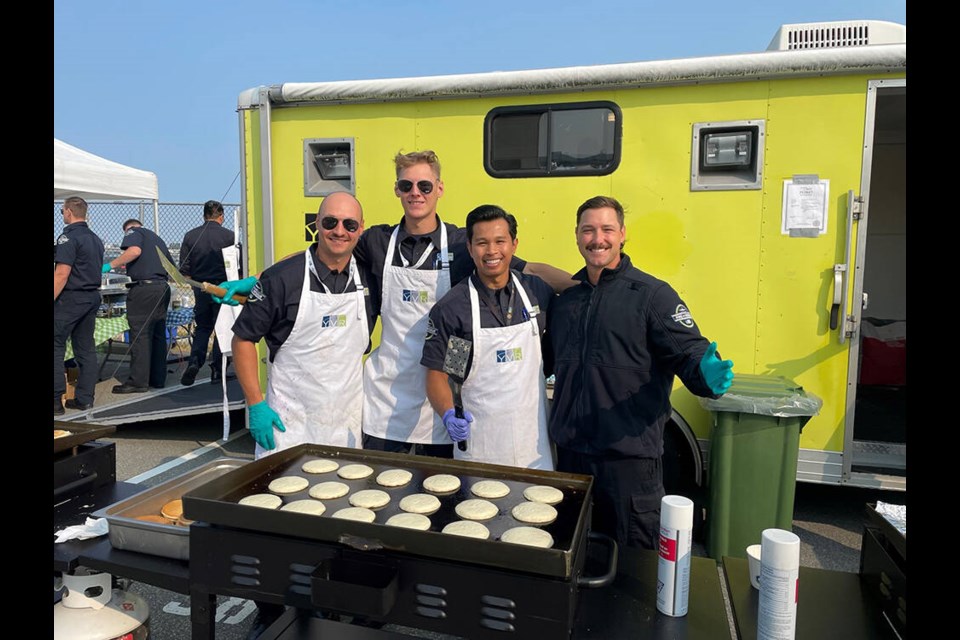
(243, 287)
(262, 421)
(717, 373)
(105, 268)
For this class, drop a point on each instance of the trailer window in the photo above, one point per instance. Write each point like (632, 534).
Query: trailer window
(579, 139)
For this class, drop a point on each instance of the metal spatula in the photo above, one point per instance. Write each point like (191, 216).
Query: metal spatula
(455, 366)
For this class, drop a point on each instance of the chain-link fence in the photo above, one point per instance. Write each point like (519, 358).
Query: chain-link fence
(175, 219)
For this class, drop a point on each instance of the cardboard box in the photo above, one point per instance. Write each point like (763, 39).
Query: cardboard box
(72, 374)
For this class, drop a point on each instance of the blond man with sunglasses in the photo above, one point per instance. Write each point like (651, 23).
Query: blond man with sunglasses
(314, 310)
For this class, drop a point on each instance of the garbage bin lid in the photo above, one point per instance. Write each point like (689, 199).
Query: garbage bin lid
(765, 395)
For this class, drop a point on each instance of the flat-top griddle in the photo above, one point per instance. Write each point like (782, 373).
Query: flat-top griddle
(216, 503)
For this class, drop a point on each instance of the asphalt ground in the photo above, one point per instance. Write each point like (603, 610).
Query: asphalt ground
(828, 519)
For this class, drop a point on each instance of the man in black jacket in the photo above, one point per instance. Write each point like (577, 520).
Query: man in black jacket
(618, 339)
(201, 259)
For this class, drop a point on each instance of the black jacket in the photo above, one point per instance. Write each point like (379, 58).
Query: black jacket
(200, 255)
(616, 348)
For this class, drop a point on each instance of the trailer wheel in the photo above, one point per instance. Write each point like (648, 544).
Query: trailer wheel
(683, 468)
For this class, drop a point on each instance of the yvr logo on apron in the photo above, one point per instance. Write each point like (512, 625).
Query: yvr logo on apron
(412, 295)
(509, 355)
(334, 321)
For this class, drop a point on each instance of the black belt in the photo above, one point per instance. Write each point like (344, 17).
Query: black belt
(136, 282)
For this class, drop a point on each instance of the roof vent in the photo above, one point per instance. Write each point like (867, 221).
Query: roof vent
(846, 33)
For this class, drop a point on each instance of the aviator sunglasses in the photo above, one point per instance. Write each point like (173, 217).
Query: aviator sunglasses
(405, 186)
(330, 223)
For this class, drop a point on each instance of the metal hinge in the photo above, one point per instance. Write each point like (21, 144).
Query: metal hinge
(857, 207)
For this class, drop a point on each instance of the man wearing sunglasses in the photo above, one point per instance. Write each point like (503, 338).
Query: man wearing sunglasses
(315, 313)
(502, 313)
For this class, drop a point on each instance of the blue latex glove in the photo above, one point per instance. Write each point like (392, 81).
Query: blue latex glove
(262, 421)
(717, 373)
(105, 268)
(457, 428)
(243, 287)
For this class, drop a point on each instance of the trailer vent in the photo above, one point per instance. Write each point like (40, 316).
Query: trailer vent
(825, 35)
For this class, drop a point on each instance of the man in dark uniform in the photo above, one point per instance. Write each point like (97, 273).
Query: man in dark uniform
(147, 301)
(76, 297)
(201, 259)
(506, 364)
(618, 339)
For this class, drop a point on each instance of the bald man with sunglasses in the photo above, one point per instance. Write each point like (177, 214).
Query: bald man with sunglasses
(314, 310)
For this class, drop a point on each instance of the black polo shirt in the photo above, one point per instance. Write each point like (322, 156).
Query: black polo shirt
(272, 307)
(147, 266)
(373, 244)
(82, 250)
(451, 315)
(200, 253)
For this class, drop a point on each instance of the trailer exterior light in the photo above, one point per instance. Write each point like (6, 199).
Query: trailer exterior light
(728, 149)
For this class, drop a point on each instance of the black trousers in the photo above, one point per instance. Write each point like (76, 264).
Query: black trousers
(395, 446)
(205, 315)
(75, 317)
(626, 495)
(147, 316)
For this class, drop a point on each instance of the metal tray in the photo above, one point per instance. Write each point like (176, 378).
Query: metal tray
(167, 540)
(216, 503)
(80, 432)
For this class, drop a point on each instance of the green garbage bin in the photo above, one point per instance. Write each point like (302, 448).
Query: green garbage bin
(753, 460)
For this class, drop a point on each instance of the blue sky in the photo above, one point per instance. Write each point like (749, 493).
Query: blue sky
(154, 85)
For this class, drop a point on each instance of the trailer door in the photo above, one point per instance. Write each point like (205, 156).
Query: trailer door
(875, 316)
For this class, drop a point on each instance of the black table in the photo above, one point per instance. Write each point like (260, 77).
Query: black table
(832, 604)
(628, 607)
(99, 554)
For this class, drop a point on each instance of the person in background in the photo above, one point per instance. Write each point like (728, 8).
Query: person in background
(201, 259)
(313, 309)
(618, 339)
(147, 302)
(502, 313)
(77, 257)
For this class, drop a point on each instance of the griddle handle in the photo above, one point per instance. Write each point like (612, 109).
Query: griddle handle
(69, 487)
(593, 582)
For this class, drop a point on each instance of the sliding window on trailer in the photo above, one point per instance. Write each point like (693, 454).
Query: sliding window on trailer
(550, 140)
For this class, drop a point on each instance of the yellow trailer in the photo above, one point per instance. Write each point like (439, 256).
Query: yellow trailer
(768, 188)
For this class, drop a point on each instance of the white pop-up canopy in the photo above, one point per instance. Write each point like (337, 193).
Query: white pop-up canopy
(79, 173)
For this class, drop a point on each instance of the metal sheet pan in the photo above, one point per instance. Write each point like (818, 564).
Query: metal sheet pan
(80, 432)
(167, 540)
(216, 503)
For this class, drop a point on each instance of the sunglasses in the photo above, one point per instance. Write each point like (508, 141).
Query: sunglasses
(405, 186)
(330, 223)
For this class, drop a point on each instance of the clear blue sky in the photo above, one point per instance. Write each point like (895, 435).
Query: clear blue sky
(154, 85)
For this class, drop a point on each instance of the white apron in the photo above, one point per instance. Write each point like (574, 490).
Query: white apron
(395, 405)
(316, 381)
(506, 393)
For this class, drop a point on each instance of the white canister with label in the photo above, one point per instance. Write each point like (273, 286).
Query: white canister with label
(673, 565)
(779, 585)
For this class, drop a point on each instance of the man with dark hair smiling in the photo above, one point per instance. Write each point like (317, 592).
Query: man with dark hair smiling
(618, 339)
(503, 315)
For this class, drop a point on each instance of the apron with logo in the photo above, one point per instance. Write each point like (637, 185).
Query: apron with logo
(395, 405)
(316, 382)
(506, 392)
